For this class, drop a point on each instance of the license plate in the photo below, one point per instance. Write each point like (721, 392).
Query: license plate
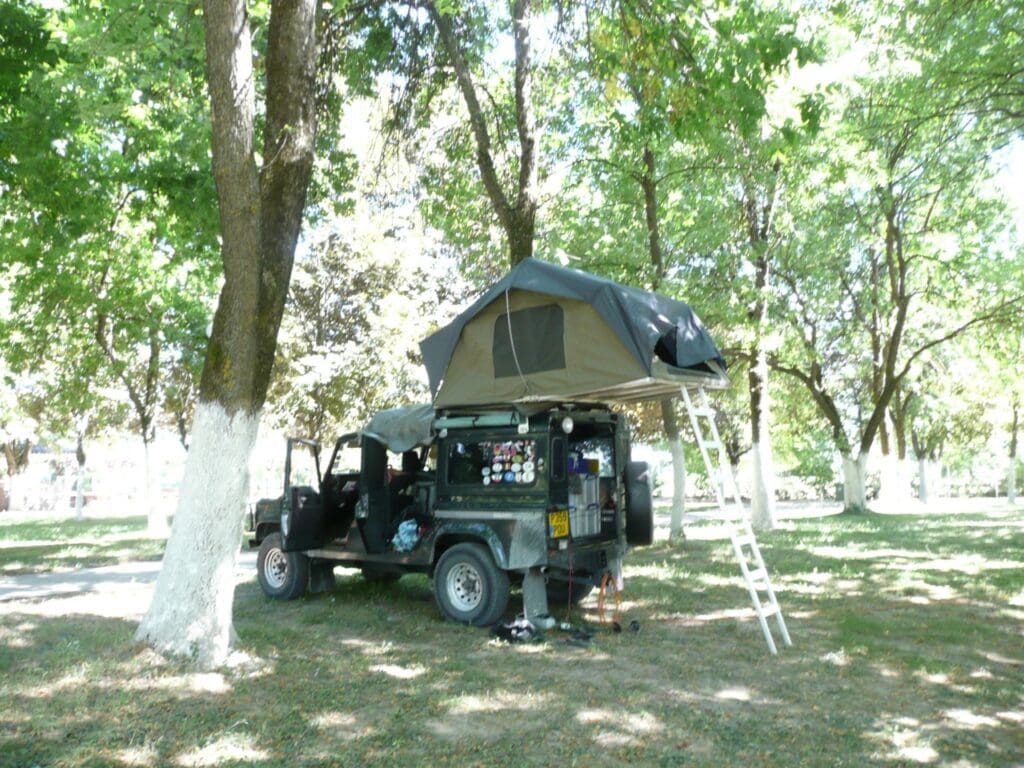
(558, 523)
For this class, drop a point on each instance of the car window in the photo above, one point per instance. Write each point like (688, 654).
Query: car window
(494, 462)
(592, 456)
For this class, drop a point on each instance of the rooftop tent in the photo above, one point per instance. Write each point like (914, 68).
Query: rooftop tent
(545, 333)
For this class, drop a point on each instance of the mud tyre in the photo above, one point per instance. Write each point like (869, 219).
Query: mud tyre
(469, 587)
(282, 575)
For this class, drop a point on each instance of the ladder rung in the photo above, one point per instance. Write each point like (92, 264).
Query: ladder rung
(769, 610)
(712, 445)
(743, 541)
(759, 575)
(707, 413)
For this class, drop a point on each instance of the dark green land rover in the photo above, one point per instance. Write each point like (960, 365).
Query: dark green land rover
(543, 495)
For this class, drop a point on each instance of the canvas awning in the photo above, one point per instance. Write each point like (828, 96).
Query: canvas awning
(402, 428)
(545, 333)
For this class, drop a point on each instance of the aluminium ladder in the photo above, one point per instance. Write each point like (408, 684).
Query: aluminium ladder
(744, 543)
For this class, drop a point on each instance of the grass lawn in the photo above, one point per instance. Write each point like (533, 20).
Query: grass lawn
(909, 650)
(61, 544)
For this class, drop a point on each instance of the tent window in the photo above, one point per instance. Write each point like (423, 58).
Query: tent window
(539, 334)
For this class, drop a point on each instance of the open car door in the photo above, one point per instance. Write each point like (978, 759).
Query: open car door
(302, 514)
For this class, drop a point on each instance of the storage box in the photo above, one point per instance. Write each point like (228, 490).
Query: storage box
(584, 521)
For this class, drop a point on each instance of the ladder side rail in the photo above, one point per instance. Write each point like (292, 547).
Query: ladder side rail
(755, 600)
(728, 479)
(760, 572)
(698, 433)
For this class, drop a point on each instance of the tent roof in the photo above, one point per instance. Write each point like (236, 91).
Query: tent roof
(664, 335)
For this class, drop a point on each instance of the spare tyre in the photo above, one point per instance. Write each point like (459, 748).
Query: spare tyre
(639, 509)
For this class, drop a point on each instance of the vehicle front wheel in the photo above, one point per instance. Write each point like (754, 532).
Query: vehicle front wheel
(469, 587)
(282, 575)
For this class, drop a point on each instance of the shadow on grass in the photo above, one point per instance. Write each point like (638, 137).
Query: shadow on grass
(369, 675)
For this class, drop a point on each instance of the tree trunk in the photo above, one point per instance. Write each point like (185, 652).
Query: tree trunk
(648, 185)
(762, 491)
(922, 479)
(517, 216)
(675, 445)
(854, 491)
(260, 218)
(759, 217)
(1011, 475)
(80, 479)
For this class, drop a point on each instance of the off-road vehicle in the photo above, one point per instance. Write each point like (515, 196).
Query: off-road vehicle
(478, 499)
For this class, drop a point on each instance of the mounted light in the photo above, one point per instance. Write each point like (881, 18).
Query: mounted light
(523, 428)
(567, 424)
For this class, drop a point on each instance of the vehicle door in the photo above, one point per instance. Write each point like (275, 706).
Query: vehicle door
(302, 514)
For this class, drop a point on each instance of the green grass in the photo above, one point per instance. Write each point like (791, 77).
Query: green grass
(908, 651)
(55, 544)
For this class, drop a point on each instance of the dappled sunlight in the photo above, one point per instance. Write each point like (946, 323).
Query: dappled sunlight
(499, 701)
(965, 719)
(700, 619)
(19, 636)
(733, 694)
(658, 571)
(233, 748)
(968, 564)
(836, 658)
(904, 739)
(138, 757)
(807, 583)
(853, 551)
(884, 670)
(341, 726)
(125, 602)
(711, 580)
(998, 658)
(620, 729)
(399, 672)
(487, 717)
(370, 648)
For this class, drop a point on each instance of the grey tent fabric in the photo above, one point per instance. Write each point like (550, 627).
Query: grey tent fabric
(659, 333)
(401, 429)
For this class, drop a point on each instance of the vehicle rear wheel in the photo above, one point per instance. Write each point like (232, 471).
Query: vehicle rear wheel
(282, 575)
(469, 587)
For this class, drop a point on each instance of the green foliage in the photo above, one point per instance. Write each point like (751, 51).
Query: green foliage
(349, 338)
(110, 238)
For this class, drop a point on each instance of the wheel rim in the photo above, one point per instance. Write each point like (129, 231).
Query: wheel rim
(275, 568)
(465, 587)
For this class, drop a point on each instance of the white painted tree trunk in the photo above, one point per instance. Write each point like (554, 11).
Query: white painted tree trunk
(79, 493)
(190, 614)
(676, 532)
(854, 492)
(762, 492)
(889, 478)
(922, 480)
(1011, 481)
